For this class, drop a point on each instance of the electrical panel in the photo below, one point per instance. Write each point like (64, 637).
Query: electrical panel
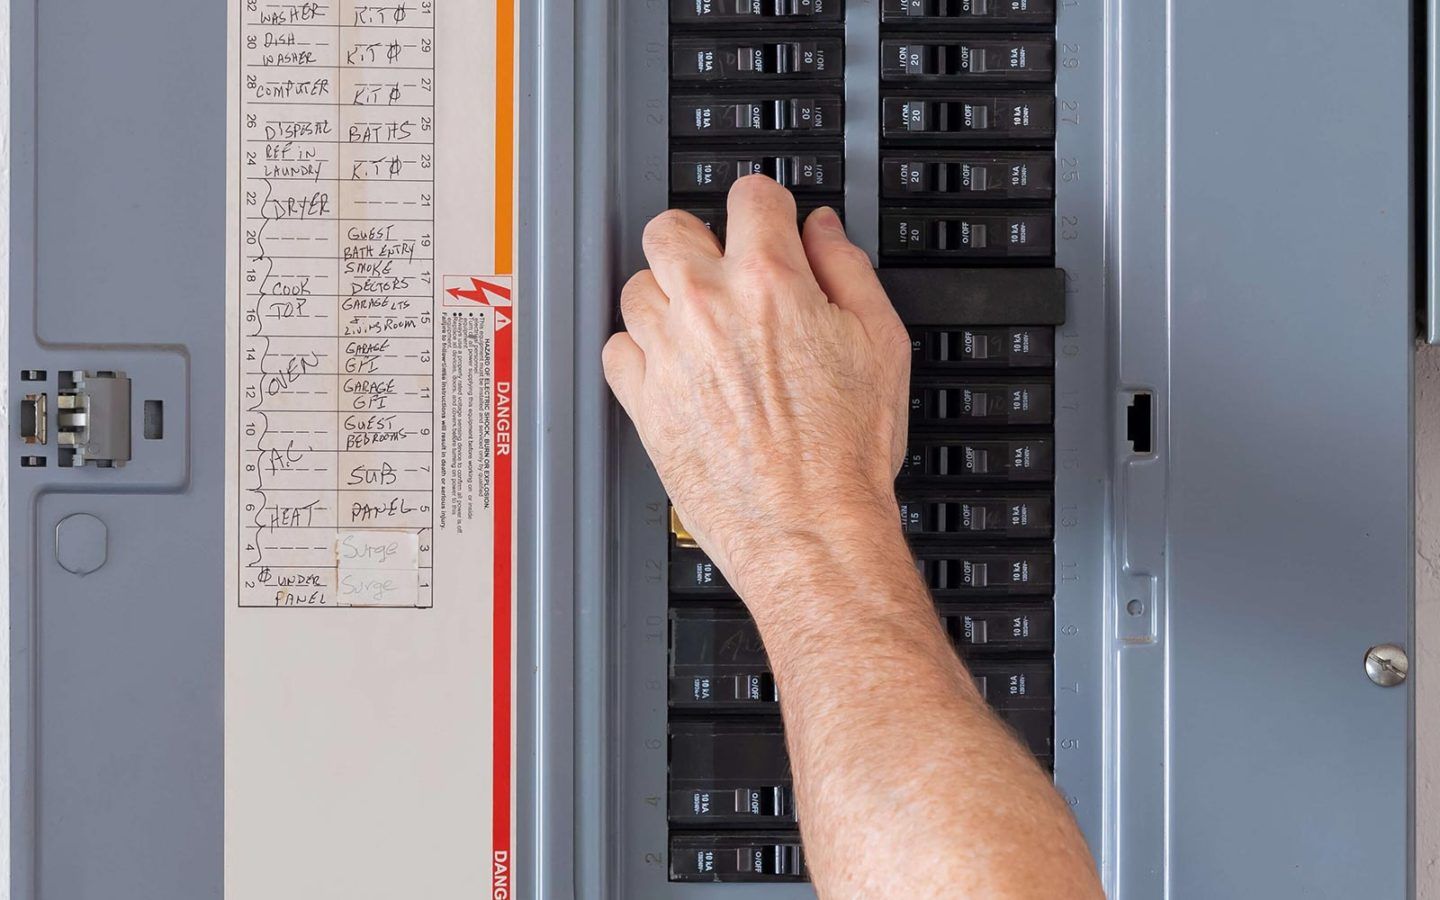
(1159, 264)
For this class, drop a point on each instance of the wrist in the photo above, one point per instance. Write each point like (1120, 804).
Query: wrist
(854, 550)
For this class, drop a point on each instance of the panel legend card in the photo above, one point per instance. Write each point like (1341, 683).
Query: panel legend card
(371, 409)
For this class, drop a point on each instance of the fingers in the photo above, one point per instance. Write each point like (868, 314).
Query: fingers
(677, 236)
(843, 269)
(681, 251)
(624, 364)
(761, 225)
(644, 307)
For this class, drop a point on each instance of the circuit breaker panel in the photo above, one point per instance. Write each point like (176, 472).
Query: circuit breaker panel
(967, 177)
(1159, 266)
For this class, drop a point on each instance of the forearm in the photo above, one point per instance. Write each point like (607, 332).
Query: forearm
(770, 376)
(907, 783)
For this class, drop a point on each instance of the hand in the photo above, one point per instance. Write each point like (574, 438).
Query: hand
(768, 380)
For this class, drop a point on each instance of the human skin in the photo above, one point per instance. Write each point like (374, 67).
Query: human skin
(768, 381)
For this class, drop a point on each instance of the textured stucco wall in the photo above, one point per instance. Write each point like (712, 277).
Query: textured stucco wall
(1426, 653)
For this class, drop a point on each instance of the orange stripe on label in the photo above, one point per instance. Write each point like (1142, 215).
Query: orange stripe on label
(505, 137)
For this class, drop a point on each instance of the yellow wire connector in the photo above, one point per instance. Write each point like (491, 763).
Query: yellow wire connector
(677, 528)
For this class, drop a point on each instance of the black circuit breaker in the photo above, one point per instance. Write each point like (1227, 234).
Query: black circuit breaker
(977, 175)
(968, 13)
(966, 176)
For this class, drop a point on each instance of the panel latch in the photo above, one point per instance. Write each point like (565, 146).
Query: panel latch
(92, 418)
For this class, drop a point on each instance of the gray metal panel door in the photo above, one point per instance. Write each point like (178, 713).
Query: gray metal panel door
(118, 263)
(1289, 520)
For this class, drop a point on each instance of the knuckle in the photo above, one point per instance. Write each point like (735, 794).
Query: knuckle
(667, 229)
(692, 283)
(891, 338)
(854, 256)
(850, 257)
(765, 266)
(898, 339)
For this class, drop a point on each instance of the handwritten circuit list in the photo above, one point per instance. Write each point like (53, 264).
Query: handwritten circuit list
(336, 362)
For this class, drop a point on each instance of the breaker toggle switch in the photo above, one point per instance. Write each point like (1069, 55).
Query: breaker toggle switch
(750, 10)
(734, 857)
(1014, 176)
(1009, 517)
(1021, 117)
(981, 401)
(715, 217)
(991, 59)
(1021, 346)
(999, 12)
(994, 460)
(987, 572)
(708, 60)
(740, 803)
(965, 234)
(706, 116)
(730, 690)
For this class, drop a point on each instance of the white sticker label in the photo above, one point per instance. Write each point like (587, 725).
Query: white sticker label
(377, 550)
(370, 466)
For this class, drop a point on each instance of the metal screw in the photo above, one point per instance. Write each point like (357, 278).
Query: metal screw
(1387, 665)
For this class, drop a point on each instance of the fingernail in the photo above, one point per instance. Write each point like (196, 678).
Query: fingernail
(826, 217)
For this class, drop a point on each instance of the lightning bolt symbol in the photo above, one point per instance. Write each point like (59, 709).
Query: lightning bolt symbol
(477, 293)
